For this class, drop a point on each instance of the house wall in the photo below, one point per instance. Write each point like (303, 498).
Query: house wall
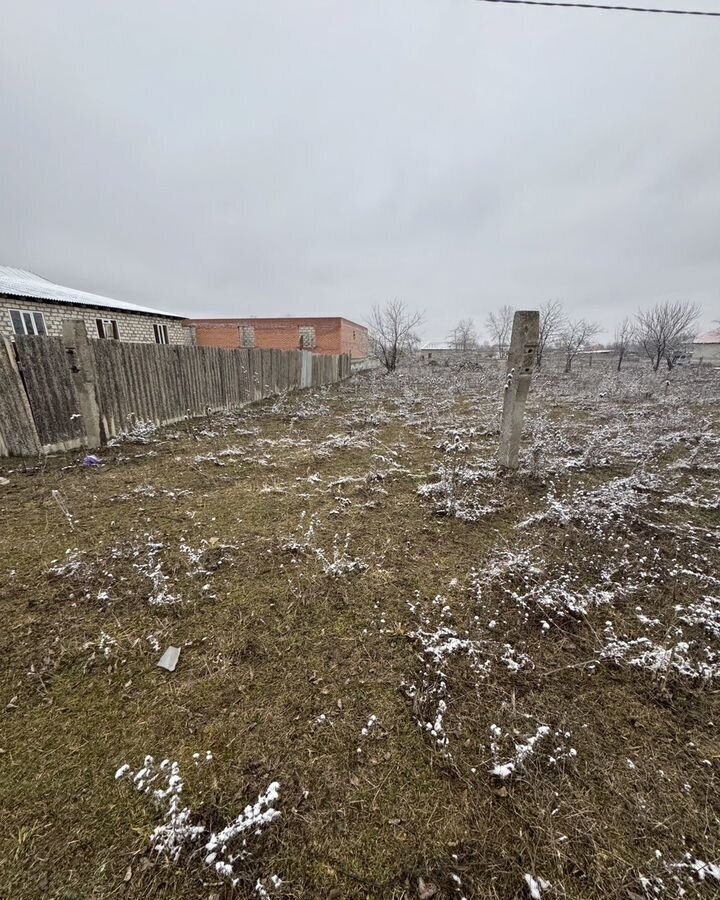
(321, 335)
(708, 353)
(131, 326)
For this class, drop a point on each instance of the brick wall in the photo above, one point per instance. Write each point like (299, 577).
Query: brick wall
(353, 340)
(324, 334)
(131, 326)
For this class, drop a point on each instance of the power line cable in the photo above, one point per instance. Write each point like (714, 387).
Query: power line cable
(567, 4)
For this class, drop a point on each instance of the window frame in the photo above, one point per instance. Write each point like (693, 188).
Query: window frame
(160, 330)
(101, 326)
(34, 316)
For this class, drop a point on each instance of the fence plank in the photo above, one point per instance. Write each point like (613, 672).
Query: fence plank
(50, 390)
(18, 435)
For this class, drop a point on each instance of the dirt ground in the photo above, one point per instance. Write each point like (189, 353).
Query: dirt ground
(440, 680)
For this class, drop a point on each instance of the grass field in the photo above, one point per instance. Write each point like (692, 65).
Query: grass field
(464, 683)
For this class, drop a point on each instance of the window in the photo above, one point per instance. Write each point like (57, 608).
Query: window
(27, 322)
(107, 328)
(161, 334)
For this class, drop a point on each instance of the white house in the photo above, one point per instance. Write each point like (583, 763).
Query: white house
(706, 348)
(30, 304)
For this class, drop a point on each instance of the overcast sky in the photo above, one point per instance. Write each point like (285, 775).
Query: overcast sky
(316, 157)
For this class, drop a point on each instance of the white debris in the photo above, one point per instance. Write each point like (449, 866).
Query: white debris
(169, 659)
(536, 886)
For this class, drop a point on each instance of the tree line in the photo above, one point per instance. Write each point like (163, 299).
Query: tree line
(660, 332)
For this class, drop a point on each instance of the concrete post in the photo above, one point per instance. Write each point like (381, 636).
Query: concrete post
(521, 360)
(82, 369)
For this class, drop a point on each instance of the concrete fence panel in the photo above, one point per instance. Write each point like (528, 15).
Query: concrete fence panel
(306, 373)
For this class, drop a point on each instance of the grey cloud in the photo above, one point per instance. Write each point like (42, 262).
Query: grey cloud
(319, 157)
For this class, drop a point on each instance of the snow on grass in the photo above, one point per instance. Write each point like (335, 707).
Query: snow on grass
(430, 705)
(675, 655)
(75, 564)
(521, 754)
(137, 432)
(679, 877)
(150, 565)
(556, 749)
(536, 886)
(596, 510)
(705, 614)
(151, 493)
(337, 442)
(183, 830)
(456, 492)
(342, 562)
(338, 563)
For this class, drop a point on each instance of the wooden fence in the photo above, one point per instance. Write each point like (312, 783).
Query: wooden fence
(63, 393)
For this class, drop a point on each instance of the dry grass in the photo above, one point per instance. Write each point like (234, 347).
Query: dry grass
(271, 641)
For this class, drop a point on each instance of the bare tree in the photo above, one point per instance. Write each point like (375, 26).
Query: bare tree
(463, 336)
(624, 336)
(552, 319)
(664, 329)
(499, 324)
(575, 334)
(392, 332)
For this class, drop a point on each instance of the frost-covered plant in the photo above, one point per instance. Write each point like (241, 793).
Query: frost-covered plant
(453, 493)
(151, 492)
(508, 567)
(340, 564)
(137, 432)
(674, 656)
(106, 643)
(524, 747)
(595, 510)
(680, 876)
(208, 557)
(304, 541)
(705, 614)
(151, 568)
(75, 564)
(341, 442)
(452, 443)
(430, 706)
(182, 830)
(521, 752)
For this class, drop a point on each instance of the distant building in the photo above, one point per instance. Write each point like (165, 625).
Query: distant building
(443, 352)
(30, 304)
(706, 347)
(324, 334)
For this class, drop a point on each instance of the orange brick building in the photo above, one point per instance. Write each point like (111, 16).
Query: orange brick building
(323, 334)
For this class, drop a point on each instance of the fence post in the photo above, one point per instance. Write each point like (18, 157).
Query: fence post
(521, 359)
(82, 369)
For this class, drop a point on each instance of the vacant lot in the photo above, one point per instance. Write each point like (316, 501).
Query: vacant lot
(433, 679)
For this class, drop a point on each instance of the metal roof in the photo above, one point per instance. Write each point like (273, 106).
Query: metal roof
(19, 283)
(712, 337)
